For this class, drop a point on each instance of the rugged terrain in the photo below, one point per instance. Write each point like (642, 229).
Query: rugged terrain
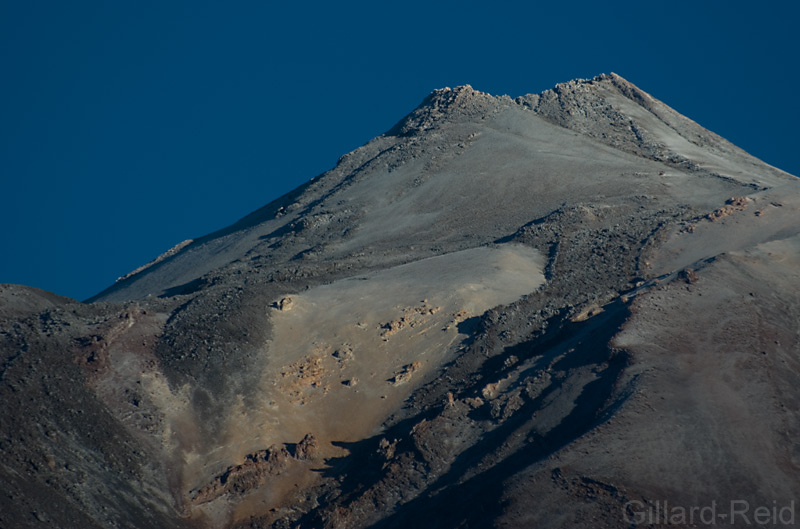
(558, 310)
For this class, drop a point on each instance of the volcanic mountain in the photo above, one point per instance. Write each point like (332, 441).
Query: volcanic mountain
(569, 309)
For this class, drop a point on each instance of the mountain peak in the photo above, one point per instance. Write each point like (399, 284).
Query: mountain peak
(612, 110)
(441, 103)
(464, 100)
(462, 89)
(582, 92)
(424, 335)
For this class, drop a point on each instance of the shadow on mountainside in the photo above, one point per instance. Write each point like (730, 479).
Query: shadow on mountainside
(415, 491)
(476, 501)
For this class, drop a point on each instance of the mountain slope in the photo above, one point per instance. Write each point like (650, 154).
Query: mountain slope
(419, 180)
(545, 311)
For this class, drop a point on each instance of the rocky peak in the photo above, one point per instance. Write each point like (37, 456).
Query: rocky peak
(442, 104)
(586, 92)
(485, 288)
(445, 97)
(614, 111)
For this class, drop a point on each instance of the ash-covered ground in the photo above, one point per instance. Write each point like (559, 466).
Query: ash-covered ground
(559, 310)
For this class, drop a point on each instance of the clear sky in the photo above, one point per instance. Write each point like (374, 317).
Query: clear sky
(127, 127)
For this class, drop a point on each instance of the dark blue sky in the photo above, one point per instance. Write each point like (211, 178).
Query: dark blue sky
(127, 127)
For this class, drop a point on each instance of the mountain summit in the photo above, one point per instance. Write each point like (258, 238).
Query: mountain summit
(481, 166)
(557, 310)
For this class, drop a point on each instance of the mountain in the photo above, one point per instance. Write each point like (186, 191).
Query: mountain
(570, 309)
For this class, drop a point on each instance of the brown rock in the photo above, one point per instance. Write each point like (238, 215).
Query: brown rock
(307, 448)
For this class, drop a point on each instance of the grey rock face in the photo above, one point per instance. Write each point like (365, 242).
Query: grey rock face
(549, 311)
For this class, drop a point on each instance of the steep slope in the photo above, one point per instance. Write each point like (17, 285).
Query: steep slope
(69, 460)
(420, 180)
(614, 111)
(544, 311)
